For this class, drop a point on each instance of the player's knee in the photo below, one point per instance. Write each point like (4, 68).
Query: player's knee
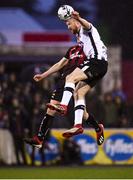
(86, 115)
(80, 94)
(69, 78)
(72, 79)
(75, 95)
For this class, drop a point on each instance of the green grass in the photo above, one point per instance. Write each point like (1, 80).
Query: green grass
(87, 172)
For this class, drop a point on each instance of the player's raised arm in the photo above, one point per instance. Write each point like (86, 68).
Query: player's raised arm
(83, 22)
(55, 68)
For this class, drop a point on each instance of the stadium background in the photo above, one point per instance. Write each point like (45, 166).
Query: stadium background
(32, 39)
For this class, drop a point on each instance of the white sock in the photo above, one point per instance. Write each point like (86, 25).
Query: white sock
(67, 94)
(79, 112)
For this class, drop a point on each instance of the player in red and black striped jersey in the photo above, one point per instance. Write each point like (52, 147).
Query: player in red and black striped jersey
(72, 59)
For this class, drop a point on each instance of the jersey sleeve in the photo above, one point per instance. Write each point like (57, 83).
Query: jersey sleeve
(88, 30)
(67, 54)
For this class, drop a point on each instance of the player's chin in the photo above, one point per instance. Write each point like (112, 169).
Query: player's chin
(73, 31)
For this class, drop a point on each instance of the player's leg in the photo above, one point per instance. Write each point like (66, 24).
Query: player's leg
(99, 128)
(79, 98)
(81, 113)
(46, 122)
(79, 110)
(76, 76)
(45, 125)
(94, 70)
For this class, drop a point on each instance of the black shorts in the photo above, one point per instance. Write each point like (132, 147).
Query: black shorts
(58, 92)
(95, 69)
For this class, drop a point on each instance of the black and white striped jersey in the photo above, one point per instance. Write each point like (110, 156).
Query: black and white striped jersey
(92, 44)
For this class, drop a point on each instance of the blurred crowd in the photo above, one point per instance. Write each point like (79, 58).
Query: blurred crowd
(23, 104)
(112, 109)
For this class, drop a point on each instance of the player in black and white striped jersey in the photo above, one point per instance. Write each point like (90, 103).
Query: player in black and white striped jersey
(90, 71)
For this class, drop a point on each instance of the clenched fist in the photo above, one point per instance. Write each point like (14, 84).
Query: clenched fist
(75, 15)
(38, 77)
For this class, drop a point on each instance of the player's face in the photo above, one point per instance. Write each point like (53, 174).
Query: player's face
(72, 25)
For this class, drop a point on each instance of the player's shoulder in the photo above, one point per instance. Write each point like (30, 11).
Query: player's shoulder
(87, 29)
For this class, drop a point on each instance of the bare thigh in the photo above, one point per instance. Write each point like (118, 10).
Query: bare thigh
(81, 90)
(76, 76)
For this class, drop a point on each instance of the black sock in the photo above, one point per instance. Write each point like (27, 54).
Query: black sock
(45, 126)
(93, 122)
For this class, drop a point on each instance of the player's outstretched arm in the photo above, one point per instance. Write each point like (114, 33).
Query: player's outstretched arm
(55, 68)
(83, 22)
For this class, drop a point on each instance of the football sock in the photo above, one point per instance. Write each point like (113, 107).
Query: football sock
(45, 126)
(91, 120)
(79, 111)
(68, 92)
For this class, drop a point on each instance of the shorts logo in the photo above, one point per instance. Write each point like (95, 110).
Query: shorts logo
(90, 74)
(85, 67)
(119, 147)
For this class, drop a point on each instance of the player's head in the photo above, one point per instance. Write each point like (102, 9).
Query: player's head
(65, 14)
(73, 25)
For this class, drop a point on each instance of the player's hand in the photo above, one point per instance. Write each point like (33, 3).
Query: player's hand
(38, 77)
(75, 15)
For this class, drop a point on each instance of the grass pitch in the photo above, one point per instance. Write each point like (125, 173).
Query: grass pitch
(85, 172)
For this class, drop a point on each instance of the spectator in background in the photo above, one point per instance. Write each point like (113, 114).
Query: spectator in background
(3, 78)
(94, 104)
(17, 127)
(71, 153)
(121, 106)
(27, 100)
(3, 75)
(124, 122)
(4, 119)
(1, 101)
(122, 111)
(111, 115)
(12, 81)
(117, 91)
